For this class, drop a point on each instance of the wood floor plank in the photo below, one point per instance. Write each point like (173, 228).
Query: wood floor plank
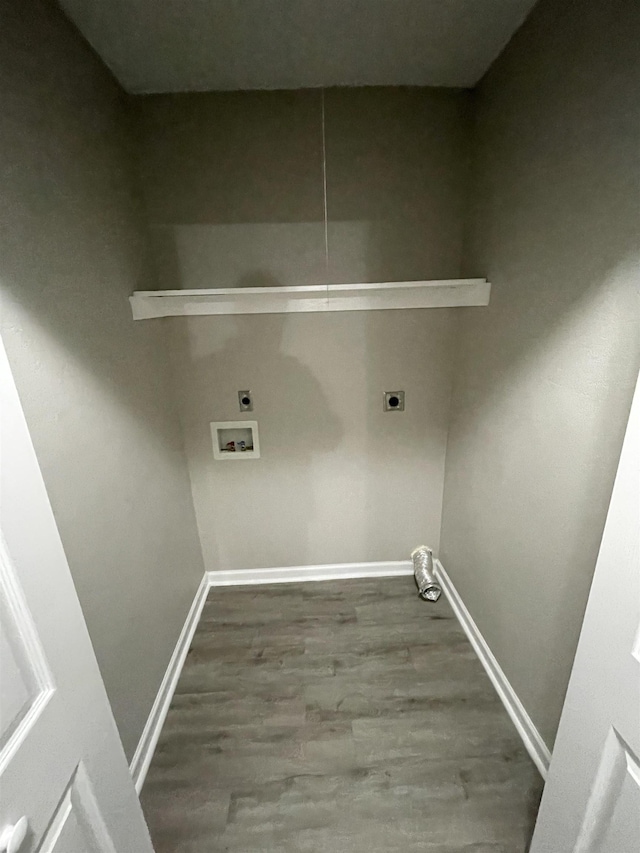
(347, 716)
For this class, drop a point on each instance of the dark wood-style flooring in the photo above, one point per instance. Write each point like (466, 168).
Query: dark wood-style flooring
(337, 717)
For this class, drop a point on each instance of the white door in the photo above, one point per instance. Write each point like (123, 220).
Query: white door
(591, 802)
(64, 782)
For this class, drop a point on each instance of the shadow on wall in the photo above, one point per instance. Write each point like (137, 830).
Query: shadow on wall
(235, 194)
(274, 499)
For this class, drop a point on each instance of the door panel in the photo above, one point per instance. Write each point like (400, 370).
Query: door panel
(591, 802)
(27, 684)
(30, 707)
(77, 825)
(614, 801)
(62, 765)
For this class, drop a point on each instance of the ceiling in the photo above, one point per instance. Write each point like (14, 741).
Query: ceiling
(201, 45)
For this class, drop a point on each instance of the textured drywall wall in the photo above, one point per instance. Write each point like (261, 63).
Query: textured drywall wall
(397, 176)
(234, 185)
(92, 383)
(339, 480)
(545, 374)
(235, 197)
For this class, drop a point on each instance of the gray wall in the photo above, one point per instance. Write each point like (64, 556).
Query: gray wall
(93, 384)
(397, 178)
(235, 196)
(234, 193)
(545, 374)
(339, 480)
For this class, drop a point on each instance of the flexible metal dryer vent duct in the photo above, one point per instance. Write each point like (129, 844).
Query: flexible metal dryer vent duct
(428, 587)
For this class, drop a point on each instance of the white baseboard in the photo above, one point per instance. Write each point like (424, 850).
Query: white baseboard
(291, 574)
(149, 738)
(531, 737)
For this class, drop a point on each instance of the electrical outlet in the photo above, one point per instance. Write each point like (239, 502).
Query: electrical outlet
(394, 401)
(245, 401)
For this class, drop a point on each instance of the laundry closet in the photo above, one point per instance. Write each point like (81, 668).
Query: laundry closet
(287, 327)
